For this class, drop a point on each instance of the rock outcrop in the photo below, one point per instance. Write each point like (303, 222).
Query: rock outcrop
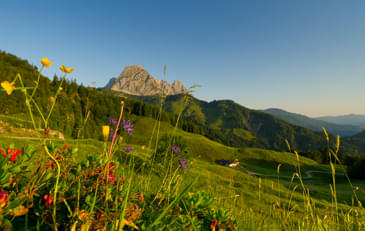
(135, 80)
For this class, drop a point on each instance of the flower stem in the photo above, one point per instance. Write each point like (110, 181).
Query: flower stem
(37, 83)
(56, 186)
(55, 98)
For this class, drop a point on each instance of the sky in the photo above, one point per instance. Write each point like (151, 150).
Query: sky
(306, 57)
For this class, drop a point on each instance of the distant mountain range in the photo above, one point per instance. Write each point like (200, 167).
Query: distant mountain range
(229, 122)
(135, 80)
(240, 126)
(332, 125)
(351, 119)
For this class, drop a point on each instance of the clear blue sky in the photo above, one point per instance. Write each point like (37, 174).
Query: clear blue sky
(302, 56)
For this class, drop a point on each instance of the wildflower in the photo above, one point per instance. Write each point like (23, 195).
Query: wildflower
(111, 177)
(142, 147)
(19, 211)
(111, 166)
(66, 69)
(128, 149)
(105, 131)
(213, 224)
(83, 215)
(67, 146)
(113, 121)
(48, 199)
(128, 126)
(3, 198)
(45, 62)
(126, 222)
(175, 149)
(140, 197)
(111, 132)
(183, 163)
(9, 87)
(11, 153)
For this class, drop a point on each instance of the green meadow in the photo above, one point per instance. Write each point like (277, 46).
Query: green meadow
(156, 171)
(263, 199)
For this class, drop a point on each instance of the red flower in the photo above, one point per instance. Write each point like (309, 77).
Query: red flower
(11, 153)
(3, 198)
(48, 199)
(111, 166)
(213, 224)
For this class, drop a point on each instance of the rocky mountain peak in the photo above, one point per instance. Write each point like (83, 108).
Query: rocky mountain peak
(135, 80)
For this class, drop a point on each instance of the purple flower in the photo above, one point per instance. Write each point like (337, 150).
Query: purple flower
(183, 163)
(175, 149)
(113, 121)
(128, 126)
(111, 132)
(128, 149)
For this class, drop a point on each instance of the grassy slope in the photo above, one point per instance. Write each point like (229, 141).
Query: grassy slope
(229, 186)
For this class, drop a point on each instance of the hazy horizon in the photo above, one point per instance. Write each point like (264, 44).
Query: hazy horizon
(302, 57)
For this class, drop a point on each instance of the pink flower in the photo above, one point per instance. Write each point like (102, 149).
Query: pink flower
(111, 177)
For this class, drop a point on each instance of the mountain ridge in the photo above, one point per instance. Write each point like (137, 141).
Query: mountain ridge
(349, 119)
(135, 80)
(313, 123)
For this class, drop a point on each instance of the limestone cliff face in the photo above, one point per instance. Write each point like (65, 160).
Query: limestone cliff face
(135, 80)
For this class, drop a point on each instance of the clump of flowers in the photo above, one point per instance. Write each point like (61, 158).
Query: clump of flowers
(11, 153)
(128, 149)
(183, 163)
(175, 149)
(128, 126)
(48, 199)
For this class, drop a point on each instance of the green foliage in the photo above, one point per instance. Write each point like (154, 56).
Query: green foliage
(356, 170)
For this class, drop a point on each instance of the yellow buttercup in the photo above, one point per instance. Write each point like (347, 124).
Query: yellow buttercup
(45, 62)
(105, 131)
(66, 69)
(9, 87)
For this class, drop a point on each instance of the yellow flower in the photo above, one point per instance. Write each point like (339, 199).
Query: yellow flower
(105, 131)
(19, 211)
(142, 147)
(9, 87)
(45, 62)
(66, 69)
(126, 222)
